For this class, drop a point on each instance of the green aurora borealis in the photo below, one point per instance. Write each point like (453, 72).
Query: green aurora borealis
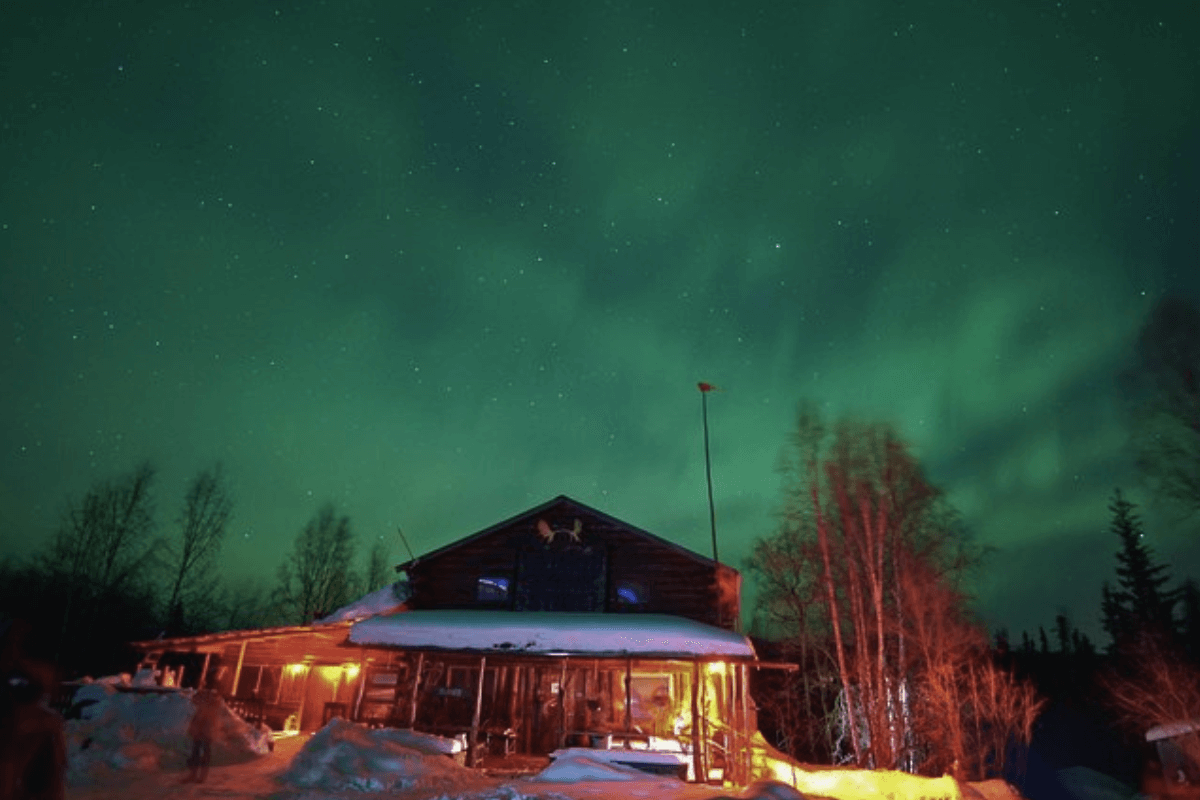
(439, 264)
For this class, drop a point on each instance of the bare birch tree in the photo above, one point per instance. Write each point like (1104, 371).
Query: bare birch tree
(378, 572)
(889, 557)
(101, 550)
(317, 578)
(190, 555)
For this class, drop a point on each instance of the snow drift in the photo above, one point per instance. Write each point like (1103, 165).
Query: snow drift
(147, 731)
(344, 755)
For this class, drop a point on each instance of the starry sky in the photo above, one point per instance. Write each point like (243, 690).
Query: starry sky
(438, 263)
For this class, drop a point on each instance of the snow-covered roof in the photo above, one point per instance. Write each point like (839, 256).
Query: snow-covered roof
(551, 633)
(380, 601)
(1170, 730)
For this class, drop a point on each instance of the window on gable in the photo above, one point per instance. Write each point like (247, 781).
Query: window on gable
(491, 589)
(630, 596)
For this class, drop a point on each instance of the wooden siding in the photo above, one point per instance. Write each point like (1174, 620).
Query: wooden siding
(619, 560)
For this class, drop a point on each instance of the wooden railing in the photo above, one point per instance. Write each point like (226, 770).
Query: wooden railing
(253, 709)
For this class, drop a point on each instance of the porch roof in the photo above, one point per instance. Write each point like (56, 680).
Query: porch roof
(552, 633)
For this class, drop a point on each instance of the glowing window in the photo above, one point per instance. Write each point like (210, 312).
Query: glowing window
(492, 590)
(629, 595)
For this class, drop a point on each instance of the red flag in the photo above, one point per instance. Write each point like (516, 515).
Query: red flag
(707, 387)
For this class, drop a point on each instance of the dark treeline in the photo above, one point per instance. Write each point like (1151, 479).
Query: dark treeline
(1146, 673)
(117, 571)
(1147, 670)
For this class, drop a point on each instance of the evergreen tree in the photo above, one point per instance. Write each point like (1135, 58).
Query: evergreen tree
(1115, 618)
(1140, 604)
(1062, 629)
(1190, 627)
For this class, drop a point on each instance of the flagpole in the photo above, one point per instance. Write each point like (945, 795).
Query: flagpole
(705, 388)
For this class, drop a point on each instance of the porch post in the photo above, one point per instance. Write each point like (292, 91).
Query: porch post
(748, 757)
(628, 697)
(308, 669)
(412, 702)
(516, 696)
(362, 687)
(705, 759)
(696, 761)
(237, 671)
(562, 704)
(474, 739)
(729, 689)
(204, 670)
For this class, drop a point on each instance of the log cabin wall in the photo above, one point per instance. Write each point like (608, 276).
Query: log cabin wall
(564, 556)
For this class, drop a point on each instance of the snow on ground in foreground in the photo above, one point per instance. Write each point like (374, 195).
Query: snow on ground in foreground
(137, 745)
(343, 755)
(134, 731)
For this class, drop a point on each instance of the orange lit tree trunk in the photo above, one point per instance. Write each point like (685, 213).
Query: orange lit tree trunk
(888, 556)
(834, 619)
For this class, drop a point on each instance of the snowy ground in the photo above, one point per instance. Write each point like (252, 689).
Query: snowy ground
(133, 747)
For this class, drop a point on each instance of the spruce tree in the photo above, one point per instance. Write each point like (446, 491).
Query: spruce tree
(1140, 604)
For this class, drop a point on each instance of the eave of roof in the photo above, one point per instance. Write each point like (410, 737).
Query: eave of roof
(327, 630)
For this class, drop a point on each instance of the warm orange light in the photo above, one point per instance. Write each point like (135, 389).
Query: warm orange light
(715, 667)
(296, 669)
(351, 671)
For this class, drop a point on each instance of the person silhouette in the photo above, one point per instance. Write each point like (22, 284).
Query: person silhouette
(202, 728)
(33, 750)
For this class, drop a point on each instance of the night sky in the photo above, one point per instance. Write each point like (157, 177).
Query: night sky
(440, 264)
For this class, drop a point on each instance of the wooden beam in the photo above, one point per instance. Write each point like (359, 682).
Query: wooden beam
(562, 704)
(308, 668)
(412, 701)
(362, 688)
(628, 697)
(697, 763)
(747, 754)
(204, 671)
(703, 734)
(237, 671)
(474, 739)
(514, 700)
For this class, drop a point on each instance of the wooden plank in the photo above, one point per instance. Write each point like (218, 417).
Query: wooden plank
(473, 742)
(412, 703)
(237, 671)
(697, 762)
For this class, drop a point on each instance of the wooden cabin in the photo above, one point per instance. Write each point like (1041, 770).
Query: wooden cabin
(559, 627)
(566, 556)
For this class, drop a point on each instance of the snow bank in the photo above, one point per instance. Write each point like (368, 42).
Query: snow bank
(344, 755)
(840, 783)
(1081, 783)
(146, 731)
(575, 764)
